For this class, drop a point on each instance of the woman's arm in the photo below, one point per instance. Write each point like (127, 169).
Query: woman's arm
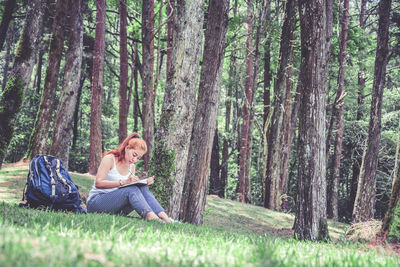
(106, 165)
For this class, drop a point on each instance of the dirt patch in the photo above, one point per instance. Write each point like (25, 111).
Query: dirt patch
(381, 245)
(20, 163)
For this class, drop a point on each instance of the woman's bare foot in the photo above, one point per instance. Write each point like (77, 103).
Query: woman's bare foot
(152, 216)
(163, 216)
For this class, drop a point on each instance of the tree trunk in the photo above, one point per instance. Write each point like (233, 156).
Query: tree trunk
(136, 107)
(194, 193)
(147, 77)
(40, 133)
(281, 90)
(364, 204)
(333, 190)
(97, 88)
(13, 95)
(310, 222)
(215, 182)
(123, 77)
(244, 144)
(176, 121)
(360, 101)
(170, 31)
(72, 75)
(267, 110)
(5, 20)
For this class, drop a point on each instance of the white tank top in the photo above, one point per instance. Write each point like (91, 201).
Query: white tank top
(113, 175)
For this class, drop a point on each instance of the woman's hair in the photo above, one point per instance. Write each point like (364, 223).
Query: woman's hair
(133, 141)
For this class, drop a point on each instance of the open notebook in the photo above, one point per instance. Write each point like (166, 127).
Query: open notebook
(141, 182)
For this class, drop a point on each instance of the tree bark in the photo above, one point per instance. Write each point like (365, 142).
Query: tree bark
(310, 221)
(244, 144)
(97, 88)
(13, 95)
(170, 32)
(176, 121)
(216, 185)
(147, 77)
(72, 76)
(333, 190)
(267, 109)
(6, 19)
(282, 90)
(364, 204)
(197, 172)
(123, 77)
(40, 133)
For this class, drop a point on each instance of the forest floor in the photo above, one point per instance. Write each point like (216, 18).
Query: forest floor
(223, 214)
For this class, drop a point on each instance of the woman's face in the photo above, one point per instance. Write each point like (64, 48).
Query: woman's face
(132, 155)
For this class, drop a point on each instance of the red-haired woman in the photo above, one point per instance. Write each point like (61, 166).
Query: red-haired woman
(116, 169)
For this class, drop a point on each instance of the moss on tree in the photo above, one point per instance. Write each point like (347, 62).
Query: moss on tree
(162, 166)
(10, 105)
(323, 234)
(24, 49)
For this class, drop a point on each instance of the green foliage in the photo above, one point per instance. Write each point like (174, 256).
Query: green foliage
(394, 230)
(10, 105)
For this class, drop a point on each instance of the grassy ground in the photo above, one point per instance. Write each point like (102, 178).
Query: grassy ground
(233, 234)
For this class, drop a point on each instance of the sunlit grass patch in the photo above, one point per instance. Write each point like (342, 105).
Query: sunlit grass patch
(45, 238)
(233, 234)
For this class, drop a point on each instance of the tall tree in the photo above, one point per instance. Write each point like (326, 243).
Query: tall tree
(267, 107)
(364, 204)
(248, 100)
(40, 133)
(360, 101)
(170, 153)
(6, 19)
(97, 87)
(197, 172)
(123, 76)
(310, 222)
(333, 190)
(282, 96)
(13, 95)
(147, 77)
(72, 76)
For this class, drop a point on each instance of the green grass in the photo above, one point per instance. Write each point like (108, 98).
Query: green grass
(233, 234)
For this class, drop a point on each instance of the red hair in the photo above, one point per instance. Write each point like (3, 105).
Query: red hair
(133, 141)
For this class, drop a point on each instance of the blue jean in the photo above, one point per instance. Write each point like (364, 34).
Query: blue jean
(124, 201)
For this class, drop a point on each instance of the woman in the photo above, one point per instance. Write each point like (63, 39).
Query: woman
(117, 169)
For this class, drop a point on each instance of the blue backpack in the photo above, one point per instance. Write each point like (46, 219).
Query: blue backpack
(49, 185)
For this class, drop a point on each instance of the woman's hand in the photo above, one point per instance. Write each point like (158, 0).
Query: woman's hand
(150, 180)
(131, 179)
